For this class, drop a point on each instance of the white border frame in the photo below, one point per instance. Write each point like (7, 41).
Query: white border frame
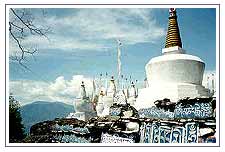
(117, 6)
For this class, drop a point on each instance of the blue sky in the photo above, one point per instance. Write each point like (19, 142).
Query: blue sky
(83, 42)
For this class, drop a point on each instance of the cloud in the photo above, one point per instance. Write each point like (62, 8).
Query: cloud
(27, 91)
(96, 28)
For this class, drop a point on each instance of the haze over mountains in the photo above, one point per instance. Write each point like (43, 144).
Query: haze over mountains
(43, 110)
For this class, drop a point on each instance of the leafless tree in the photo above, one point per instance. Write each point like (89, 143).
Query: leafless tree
(21, 26)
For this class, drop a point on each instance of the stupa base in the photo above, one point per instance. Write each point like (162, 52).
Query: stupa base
(174, 92)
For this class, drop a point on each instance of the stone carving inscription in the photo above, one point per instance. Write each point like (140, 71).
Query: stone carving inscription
(198, 110)
(154, 112)
(158, 133)
(148, 133)
(191, 132)
(115, 111)
(155, 133)
(142, 132)
(177, 135)
(165, 133)
(69, 139)
(107, 138)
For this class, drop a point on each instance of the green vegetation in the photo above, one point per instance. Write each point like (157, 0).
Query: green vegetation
(16, 128)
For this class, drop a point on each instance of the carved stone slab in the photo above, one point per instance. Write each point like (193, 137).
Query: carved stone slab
(142, 132)
(192, 131)
(107, 138)
(154, 112)
(164, 133)
(148, 128)
(114, 111)
(198, 110)
(155, 133)
(177, 135)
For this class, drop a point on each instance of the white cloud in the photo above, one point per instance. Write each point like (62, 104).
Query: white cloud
(63, 90)
(97, 29)
(60, 90)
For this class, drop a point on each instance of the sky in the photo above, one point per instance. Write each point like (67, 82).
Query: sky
(82, 45)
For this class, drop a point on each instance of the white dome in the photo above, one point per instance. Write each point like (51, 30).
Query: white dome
(174, 57)
(175, 68)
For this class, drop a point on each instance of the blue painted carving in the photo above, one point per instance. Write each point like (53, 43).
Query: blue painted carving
(211, 139)
(81, 130)
(165, 133)
(69, 139)
(191, 132)
(148, 133)
(57, 138)
(142, 132)
(155, 112)
(200, 110)
(57, 127)
(69, 128)
(132, 137)
(197, 110)
(115, 111)
(177, 135)
(107, 138)
(155, 133)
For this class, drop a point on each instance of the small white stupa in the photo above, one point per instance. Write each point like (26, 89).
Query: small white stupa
(79, 103)
(174, 74)
(105, 99)
(82, 105)
(131, 99)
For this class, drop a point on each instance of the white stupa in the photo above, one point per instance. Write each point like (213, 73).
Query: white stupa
(105, 99)
(174, 74)
(82, 105)
(131, 99)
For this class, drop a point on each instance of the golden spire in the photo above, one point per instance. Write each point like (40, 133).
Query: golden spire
(173, 34)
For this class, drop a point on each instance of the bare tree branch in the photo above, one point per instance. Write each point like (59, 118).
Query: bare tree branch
(20, 27)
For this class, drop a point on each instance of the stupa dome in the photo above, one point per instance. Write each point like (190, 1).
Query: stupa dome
(173, 75)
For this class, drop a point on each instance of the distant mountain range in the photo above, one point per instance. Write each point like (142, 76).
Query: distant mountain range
(42, 110)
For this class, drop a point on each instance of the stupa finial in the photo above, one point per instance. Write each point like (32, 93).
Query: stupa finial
(173, 34)
(172, 12)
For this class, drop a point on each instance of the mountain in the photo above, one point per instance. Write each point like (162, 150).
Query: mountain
(42, 110)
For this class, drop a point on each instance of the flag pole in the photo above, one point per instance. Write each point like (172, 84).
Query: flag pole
(118, 62)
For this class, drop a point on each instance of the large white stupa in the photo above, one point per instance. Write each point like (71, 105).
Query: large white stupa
(174, 74)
